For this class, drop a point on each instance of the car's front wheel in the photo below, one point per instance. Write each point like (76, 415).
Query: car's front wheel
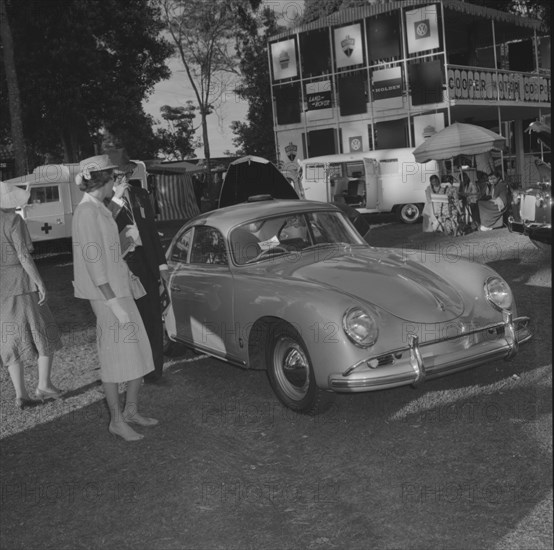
(291, 373)
(408, 213)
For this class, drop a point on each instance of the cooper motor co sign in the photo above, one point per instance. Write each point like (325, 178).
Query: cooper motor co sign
(489, 85)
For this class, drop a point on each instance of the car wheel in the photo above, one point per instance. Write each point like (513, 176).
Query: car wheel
(408, 213)
(291, 373)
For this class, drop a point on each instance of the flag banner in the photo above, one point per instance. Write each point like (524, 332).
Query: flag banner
(387, 84)
(356, 144)
(318, 95)
(283, 56)
(422, 29)
(427, 125)
(354, 136)
(348, 46)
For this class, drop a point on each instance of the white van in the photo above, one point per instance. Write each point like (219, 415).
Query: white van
(54, 197)
(386, 180)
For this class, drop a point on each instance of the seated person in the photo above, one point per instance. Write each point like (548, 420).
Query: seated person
(494, 203)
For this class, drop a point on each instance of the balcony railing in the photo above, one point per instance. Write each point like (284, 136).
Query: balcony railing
(479, 84)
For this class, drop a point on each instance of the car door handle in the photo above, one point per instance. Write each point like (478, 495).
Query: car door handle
(175, 288)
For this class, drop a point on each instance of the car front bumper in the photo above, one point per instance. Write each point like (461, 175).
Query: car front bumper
(416, 362)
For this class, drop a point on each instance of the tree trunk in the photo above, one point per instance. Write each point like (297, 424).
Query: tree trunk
(206, 146)
(18, 139)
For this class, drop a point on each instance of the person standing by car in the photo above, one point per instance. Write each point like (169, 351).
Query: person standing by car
(28, 328)
(143, 252)
(493, 205)
(101, 276)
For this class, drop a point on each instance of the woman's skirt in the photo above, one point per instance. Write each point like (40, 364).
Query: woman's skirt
(124, 350)
(28, 330)
(489, 214)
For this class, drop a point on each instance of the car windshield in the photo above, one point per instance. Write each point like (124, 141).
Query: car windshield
(260, 239)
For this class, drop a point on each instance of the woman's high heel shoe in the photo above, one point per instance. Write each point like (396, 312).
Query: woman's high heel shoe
(127, 437)
(48, 394)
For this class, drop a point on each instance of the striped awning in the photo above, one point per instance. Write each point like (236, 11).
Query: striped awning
(349, 15)
(175, 197)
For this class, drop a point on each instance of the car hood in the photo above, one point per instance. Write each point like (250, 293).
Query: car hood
(405, 288)
(250, 176)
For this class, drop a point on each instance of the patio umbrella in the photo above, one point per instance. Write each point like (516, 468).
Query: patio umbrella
(458, 139)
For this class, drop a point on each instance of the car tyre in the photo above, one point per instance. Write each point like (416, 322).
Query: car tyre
(408, 213)
(291, 374)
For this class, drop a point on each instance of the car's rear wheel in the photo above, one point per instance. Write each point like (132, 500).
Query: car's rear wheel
(291, 373)
(408, 213)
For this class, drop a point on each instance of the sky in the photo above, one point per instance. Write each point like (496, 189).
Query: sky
(177, 90)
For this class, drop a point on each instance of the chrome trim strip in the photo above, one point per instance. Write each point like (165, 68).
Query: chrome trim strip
(416, 360)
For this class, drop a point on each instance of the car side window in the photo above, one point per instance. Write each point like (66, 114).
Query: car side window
(208, 247)
(180, 252)
(41, 195)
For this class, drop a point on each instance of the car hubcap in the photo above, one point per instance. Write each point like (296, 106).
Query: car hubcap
(410, 212)
(291, 368)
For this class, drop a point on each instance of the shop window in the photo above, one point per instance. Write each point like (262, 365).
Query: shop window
(426, 82)
(391, 134)
(287, 100)
(322, 142)
(353, 93)
(383, 37)
(315, 51)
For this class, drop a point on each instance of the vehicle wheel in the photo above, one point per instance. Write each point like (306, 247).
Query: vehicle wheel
(171, 348)
(291, 374)
(408, 213)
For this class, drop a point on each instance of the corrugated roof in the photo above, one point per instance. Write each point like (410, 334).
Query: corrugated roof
(353, 14)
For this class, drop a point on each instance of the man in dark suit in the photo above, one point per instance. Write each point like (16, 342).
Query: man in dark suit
(143, 252)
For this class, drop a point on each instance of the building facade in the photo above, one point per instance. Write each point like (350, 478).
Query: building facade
(389, 75)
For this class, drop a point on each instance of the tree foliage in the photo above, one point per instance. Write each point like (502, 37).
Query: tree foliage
(255, 136)
(202, 33)
(84, 65)
(176, 140)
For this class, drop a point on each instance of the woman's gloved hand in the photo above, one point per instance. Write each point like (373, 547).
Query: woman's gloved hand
(121, 314)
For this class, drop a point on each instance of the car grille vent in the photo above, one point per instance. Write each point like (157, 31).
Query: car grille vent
(381, 361)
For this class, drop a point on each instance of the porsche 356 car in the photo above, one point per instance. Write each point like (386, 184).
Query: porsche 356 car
(289, 286)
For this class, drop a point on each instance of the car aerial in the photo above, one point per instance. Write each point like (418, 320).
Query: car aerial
(289, 286)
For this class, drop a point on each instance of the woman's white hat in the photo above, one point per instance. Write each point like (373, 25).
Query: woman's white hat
(12, 196)
(93, 164)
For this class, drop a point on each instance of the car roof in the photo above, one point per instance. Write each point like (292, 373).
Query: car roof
(231, 216)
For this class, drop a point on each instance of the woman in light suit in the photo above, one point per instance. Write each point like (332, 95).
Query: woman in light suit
(102, 276)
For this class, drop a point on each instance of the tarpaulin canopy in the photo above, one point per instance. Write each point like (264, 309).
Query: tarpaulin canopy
(458, 139)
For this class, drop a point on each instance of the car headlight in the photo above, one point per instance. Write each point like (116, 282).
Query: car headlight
(498, 293)
(361, 327)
